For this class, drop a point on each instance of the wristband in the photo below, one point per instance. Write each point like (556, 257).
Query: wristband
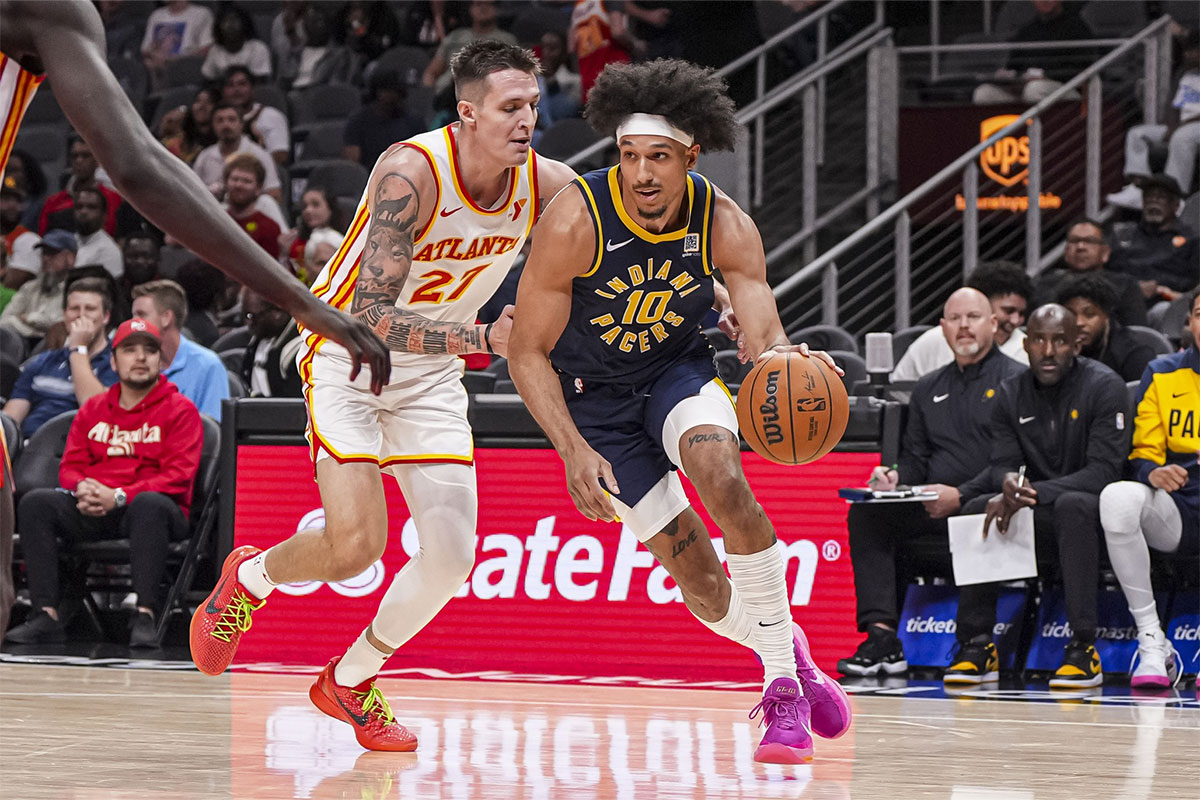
(81, 349)
(487, 337)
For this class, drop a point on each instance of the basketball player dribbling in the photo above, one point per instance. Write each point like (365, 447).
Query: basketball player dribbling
(442, 219)
(608, 354)
(64, 41)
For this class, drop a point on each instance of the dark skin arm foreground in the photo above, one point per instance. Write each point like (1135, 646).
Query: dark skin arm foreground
(65, 40)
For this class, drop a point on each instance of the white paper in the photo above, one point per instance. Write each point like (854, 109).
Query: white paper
(1001, 557)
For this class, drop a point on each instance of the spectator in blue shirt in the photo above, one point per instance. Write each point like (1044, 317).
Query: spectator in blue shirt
(62, 380)
(195, 370)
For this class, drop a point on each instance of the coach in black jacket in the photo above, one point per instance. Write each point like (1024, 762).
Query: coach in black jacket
(1064, 420)
(946, 442)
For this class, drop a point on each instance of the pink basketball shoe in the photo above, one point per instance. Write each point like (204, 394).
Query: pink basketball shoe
(827, 699)
(786, 714)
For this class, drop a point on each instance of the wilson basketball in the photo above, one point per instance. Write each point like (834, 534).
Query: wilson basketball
(792, 409)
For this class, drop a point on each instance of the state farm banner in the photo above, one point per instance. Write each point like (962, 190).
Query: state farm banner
(551, 592)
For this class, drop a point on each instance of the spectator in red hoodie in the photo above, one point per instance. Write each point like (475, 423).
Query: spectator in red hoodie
(127, 473)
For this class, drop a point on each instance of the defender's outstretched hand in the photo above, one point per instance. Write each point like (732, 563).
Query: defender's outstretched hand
(360, 341)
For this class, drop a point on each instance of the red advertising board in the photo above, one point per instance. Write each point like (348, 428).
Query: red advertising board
(551, 592)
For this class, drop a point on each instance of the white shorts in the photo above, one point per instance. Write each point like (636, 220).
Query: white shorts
(667, 500)
(421, 416)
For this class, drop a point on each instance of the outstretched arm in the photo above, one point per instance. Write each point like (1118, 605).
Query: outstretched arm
(562, 250)
(398, 196)
(68, 40)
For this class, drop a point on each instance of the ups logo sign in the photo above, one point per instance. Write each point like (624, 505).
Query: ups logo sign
(1007, 161)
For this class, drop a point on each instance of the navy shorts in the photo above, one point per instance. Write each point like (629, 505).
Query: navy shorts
(624, 423)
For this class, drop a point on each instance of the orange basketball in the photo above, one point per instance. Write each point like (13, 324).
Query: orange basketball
(792, 409)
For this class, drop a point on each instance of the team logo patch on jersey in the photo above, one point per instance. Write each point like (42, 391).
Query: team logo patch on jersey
(691, 243)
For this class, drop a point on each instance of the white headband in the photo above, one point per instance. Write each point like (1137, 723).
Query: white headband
(651, 125)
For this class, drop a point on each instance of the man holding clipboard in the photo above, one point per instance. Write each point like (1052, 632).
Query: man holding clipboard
(1064, 419)
(946, 442)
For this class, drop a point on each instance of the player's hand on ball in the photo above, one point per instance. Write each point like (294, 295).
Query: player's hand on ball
(497, 337)
(585, 468)
(803, 350)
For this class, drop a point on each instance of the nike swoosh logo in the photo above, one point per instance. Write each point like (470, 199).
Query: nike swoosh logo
(610, 246)
(1180, 394)
(210, 608)
(361, 719)
(1023, 420)
(937, 398)
(446, 213)
(769, 624)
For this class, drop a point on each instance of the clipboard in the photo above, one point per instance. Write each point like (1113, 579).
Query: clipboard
(858, 495)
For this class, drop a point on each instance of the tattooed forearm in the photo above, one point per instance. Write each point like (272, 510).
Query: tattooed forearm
(411, 333)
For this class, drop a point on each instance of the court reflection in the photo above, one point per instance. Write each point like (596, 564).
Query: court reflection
(546, 748)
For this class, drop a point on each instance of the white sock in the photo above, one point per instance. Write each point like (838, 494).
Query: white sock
(362, 661)
(1146, 619)
(735, 626)
(252, 573)
(759, 578)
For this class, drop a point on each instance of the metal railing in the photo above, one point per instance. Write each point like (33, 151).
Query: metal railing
(759, 56)
(871, 271)
(866, 75)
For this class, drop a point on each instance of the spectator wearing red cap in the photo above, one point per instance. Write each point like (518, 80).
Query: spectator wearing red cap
(127, 473)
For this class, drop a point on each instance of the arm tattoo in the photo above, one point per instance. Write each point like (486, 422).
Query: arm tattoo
(383, 271)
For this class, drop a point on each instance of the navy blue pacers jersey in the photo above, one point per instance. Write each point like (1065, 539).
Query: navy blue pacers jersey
(640, 306)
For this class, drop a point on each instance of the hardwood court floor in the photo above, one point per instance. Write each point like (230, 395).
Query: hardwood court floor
(111, 734)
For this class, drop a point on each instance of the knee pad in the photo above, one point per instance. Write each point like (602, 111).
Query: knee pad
(1121, 508)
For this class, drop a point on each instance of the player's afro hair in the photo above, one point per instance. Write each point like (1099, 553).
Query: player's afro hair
(692, 98)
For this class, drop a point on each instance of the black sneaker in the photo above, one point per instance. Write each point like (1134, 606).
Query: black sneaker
(1080, 667)
(40, 628)
(880, 652)
(143, 630)
(976, 662)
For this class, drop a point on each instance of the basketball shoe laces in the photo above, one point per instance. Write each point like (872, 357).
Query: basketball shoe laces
(236, 616)
(373, 702)
(1178, 662)
(783, 711)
